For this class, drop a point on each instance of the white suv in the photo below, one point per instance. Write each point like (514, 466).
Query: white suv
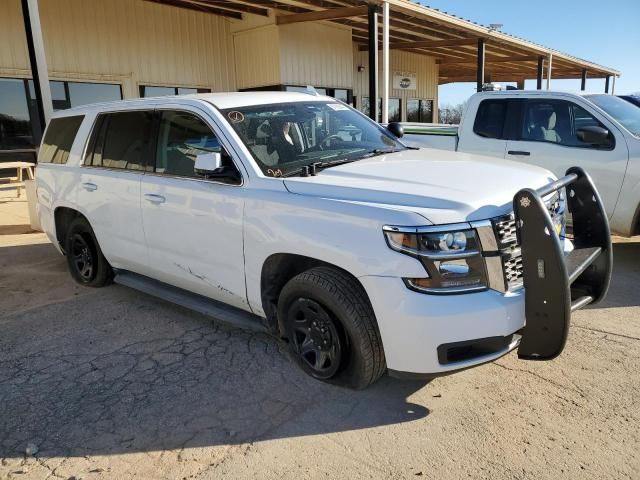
(298, 215)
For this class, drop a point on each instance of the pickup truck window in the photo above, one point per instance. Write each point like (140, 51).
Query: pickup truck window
(556, 121)
(59, 138)
(120, 140)
(490, 119)
(284, 138)
(624, 112)
(181, 138)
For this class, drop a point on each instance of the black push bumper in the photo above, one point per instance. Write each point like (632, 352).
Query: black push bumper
(557, 284)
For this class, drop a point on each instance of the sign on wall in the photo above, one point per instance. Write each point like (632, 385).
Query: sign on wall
(404, 80)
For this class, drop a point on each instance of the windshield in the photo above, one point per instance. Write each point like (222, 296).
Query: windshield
(624, 112)
(284, 138)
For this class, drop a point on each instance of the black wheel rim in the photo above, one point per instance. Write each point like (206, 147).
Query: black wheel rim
(83, 257)
(315, 338)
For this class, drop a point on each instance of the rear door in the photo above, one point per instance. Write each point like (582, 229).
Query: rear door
(193, 225)
(109, 185)
(548, 138)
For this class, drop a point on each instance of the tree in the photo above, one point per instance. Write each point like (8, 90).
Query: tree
(451, 114)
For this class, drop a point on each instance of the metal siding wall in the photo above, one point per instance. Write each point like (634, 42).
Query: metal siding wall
(127, 41)
(316, 54)
(257, 57)
(423, 66)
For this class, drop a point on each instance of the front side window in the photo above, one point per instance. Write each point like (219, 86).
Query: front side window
(490, 119)
(120, 140)
(181, 138)
(284, 138)
(556, 121)
(59, 138)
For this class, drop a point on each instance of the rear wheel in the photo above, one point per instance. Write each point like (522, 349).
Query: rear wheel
(87, 265)
(331, 327)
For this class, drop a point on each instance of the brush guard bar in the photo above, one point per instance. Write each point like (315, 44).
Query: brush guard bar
(557, 284)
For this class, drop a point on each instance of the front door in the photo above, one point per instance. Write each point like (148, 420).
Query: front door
(193, 225)
(548, 139)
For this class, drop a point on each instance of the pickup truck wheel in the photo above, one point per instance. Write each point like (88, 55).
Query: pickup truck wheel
(87, 265)
(331, 328)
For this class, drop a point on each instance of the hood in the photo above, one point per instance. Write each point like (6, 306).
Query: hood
(443, 187)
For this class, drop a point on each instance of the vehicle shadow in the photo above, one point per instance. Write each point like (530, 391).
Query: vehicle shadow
(623, 291)
(111, 370)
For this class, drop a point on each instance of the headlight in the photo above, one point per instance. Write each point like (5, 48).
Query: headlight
(450, 255)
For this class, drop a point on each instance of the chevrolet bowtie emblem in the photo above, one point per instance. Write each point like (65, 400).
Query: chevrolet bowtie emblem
(525, 202)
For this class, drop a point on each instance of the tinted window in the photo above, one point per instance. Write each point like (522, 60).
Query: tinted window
(181, 138)
(556, 121)
(121, 140)
(59, 138)
(490, 118)
(395, 109)
(152, 91)
(624, 112)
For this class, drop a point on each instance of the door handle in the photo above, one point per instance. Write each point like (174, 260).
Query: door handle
(154, 198)
(90, 187)
(519, 152)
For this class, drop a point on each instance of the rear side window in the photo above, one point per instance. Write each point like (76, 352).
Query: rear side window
(490, 119)
(59, 138)
(121, 140)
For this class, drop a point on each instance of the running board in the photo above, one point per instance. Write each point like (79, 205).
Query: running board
(219, 311)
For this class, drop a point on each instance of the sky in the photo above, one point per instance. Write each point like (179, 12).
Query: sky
(604, 32)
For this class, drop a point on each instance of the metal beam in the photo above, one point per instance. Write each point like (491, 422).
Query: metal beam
(540, 72)
(385, 62)
(315, 16)
(38, 60)
(372, 17)
(454, 42)
(480, 65)
(583, 82)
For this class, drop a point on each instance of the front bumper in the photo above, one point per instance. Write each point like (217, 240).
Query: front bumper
(414, 325)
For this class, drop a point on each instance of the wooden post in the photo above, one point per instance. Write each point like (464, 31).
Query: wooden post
(583, 83)
(540, 72)
(606, 84)
(521, 84)
(480, 65)
(372, 16)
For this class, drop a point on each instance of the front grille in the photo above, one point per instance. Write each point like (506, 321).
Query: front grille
(505, 231)
(512, 267)
(505, 228)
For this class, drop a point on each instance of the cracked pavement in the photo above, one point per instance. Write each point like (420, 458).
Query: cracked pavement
(111, 383)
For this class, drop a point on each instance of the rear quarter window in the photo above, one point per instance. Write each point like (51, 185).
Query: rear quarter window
(490, 119)
(59, 138)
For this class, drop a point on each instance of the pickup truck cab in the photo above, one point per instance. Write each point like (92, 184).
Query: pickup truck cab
(297, 215)
(555, 130)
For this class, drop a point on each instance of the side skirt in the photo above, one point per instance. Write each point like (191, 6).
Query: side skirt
(219, 311)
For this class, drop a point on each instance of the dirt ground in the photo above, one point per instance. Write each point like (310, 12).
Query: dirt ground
(111, 383)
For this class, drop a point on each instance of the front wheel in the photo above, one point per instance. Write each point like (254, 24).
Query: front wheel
(331, 328)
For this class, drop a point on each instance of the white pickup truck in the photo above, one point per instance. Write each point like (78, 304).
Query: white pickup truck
(555, 130)
(297, 215)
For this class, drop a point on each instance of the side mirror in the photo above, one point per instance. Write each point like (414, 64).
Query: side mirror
(594, 135)
(208, 163)
(396, 129)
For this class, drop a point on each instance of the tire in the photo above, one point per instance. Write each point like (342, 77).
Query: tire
(85, 260)
(331, 327)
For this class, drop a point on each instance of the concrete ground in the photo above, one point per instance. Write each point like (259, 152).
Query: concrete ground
(110, 383)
